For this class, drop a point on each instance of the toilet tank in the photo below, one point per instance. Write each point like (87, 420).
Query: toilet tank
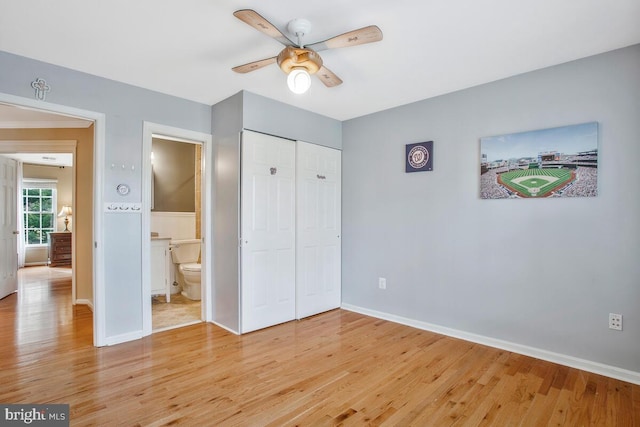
(185, 251)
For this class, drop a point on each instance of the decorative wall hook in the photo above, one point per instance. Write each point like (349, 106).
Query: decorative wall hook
(41, 87)
(273, 171)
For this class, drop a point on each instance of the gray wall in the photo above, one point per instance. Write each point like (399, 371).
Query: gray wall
(541, 273)
(125, 108)
(279, 119)
(227, 125)
(246, 110)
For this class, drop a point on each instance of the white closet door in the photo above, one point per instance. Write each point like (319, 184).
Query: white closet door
(267, 230)
(8, 227)
(318, 248)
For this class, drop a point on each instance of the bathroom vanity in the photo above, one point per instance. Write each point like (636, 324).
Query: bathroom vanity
(160, 265)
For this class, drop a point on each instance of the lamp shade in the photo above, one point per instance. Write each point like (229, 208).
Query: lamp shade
(65, 211)
(299, 80)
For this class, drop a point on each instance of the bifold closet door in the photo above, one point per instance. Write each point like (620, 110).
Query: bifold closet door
(318, 247)
(267, 231)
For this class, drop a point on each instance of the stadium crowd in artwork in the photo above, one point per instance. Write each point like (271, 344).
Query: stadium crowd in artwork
(551, 174)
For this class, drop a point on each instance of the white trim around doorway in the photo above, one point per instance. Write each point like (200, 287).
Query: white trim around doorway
(99, 119)
(183, 135)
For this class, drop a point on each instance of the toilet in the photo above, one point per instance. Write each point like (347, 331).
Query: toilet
(185, 254)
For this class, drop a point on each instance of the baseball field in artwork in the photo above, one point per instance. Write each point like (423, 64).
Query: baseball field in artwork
(556, 162)
(536, 182)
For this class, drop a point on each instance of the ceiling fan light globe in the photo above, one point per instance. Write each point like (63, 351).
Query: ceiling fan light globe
(299, 80)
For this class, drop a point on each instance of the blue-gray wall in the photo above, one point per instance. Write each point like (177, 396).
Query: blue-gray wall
(125, 108)
(541, 273)
(248, 111)
(450, 259)
(276, 118)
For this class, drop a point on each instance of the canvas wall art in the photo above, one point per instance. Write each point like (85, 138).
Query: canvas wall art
(556, 162)
(418, 157)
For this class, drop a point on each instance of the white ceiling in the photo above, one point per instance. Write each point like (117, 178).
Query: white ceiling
(12, 117)
(430, 47)
(47, 159)
(21, 117)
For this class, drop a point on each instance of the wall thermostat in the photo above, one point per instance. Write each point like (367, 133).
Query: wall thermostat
(123, 189)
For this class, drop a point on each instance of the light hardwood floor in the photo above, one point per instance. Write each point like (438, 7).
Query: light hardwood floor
(337, 368)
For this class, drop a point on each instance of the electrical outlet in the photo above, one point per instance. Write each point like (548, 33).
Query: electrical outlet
(615, 321)
(382, 283)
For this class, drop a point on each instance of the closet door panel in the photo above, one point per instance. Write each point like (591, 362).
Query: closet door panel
(268, 231)
(318, 247)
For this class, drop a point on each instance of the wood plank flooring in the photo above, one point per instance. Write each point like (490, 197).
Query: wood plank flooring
(337, 368)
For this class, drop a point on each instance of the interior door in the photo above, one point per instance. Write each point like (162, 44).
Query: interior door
(267, 231)
(8, 227)
(318, 247)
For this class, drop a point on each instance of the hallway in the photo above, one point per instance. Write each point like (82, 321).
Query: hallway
(42, 311)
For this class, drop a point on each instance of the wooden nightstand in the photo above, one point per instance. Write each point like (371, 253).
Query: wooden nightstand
(59, 249)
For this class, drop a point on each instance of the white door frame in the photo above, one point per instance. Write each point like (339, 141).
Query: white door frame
(99, 119)
(150, 129)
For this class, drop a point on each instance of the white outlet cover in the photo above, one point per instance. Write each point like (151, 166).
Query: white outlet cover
(615, 321)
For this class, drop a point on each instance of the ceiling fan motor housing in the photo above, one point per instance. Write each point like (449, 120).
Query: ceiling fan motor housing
(292, 57)
(299, 27)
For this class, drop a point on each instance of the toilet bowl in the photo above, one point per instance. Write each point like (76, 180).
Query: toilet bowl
(185, 254)
(191, 275)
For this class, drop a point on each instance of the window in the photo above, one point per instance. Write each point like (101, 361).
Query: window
(39, 210)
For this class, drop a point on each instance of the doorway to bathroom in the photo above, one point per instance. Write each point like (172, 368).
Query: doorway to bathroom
(175, 228)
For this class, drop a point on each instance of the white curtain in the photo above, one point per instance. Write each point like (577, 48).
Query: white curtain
(21, 246)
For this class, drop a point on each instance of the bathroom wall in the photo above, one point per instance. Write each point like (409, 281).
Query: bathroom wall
(174, 182)
(173, 176)
(176, 225)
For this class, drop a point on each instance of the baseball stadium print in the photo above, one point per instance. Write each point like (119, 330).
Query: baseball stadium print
(556, 162)
(419, 157)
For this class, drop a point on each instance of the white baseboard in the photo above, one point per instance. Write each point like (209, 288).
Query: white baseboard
(225, 328)
(86, 302)
(119, 339)
(562, 359)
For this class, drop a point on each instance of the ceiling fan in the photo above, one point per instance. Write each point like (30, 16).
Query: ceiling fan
(297, 60)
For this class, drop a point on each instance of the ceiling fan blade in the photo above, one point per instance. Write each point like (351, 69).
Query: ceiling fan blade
(327, 77)
(364, 35)
(255, 65)
(254, 19)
